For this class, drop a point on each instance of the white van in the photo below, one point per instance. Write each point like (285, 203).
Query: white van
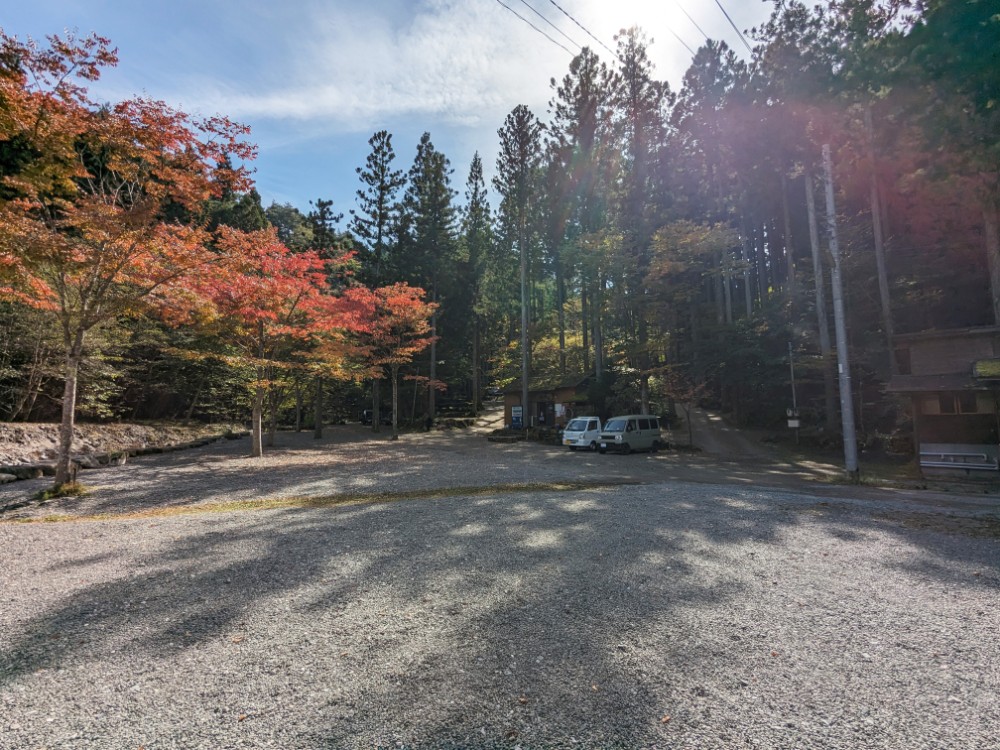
(633, 432)
(582, 432)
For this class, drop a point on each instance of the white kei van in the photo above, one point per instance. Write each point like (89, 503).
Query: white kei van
(633, 432)
(582, 432)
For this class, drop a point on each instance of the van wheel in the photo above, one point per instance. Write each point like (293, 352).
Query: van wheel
(626, 449)
(593, 446)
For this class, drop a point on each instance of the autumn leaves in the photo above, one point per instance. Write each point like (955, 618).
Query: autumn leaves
(102, 216)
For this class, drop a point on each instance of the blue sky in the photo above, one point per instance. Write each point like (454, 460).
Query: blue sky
(315, 79)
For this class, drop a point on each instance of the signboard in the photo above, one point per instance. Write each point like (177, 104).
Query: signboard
(517, 417)
(793, 423)
(560, 410)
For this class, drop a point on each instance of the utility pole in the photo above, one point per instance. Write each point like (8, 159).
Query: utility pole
(843, 362)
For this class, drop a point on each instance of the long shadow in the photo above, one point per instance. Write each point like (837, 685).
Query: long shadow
(472, 622)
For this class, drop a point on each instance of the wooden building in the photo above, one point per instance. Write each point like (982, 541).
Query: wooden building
(550, 403)
(952, 379)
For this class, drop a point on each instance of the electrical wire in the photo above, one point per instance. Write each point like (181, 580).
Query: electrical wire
(558, 44)
(537, 13)
(700, 30)
(738, 32)
(585, 29)
(686, 45)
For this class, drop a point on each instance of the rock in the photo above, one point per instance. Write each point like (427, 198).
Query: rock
(7, 478)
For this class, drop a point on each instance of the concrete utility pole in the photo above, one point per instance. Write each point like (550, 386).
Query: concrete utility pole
(843, 362)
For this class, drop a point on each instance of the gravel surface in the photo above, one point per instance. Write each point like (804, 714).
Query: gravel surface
(670, 614)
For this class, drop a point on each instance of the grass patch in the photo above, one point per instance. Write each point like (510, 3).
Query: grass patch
(69, 489)
(327, 501)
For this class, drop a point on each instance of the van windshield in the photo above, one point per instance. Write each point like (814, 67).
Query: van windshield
(616, 425)
(577, 425)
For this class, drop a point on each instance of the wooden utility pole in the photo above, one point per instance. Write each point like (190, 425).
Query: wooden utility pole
(840, 325)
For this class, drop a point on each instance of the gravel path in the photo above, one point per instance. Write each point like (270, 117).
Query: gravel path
(665, 615)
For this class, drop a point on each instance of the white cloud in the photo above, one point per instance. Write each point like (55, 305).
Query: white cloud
(459, 62)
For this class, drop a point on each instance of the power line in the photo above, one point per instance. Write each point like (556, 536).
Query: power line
(559, 44)
(700, 30)
(738, 32)
(565, 35)
(680, 40)
(585, 29)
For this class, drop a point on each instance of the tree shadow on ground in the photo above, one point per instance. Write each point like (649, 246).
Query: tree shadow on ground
(466, 621)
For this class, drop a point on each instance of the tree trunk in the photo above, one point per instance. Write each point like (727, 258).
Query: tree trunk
(432, 391)
(395, 402)
(585, 327)
(74, 354)
(717, 293)
(194, 401)
(272, 415)
(760, 256)
(992, 232)
(727, 286)
(525, 343)
(377, 405)
(747, 291)
(883, 276)
(825, 346)
(789, 249)
(298, 405)
(475, 366)
(26, 398)
(318, 409)
(256, 446)
(561, 315)
(596, 314)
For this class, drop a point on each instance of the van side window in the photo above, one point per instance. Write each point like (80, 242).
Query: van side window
(592, 424)
(654, 424)
(643, 424)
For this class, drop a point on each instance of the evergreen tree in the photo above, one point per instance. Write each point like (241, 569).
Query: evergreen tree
(517, 177)
(372, 224)
(428, 247)
(477, 239)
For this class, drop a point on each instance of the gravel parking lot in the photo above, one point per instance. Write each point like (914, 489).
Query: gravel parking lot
(665, 614)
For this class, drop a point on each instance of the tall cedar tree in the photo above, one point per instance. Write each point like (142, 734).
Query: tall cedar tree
(640, 103)
(428, 242)
(477, 236)
(517, 181)
(372, 224)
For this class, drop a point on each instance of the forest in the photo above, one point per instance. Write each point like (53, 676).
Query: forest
(673, 245)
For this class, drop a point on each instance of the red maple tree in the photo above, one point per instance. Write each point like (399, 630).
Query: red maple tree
(400, 329)
(97, 202)
(267, 301)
